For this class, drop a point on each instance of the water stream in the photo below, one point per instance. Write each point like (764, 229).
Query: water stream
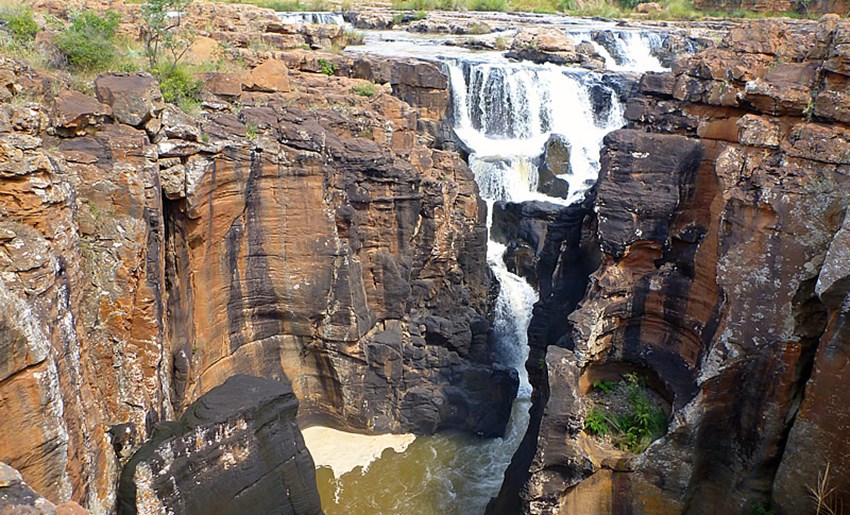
(504, 113)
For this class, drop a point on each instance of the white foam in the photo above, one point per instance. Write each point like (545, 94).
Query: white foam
(343, 452)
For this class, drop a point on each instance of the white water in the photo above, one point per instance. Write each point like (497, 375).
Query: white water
(319, 17)
(504, 113)
(628, 50)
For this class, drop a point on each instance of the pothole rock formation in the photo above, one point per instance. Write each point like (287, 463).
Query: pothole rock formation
(721, 214)
(294, 229)
(236, 449)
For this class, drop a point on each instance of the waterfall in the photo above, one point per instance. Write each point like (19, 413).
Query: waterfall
(625, 50)
(327, 18)
(505, 113)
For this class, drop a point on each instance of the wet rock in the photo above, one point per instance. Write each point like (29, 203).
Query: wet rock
(610, 42)
(555, 161)
(238, 447)
(452, 27)
(370, 20)
(134, 98)
(543, 46)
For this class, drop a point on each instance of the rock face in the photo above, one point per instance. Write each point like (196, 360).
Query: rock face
(721, 214)
(16, 497)
(367, 299)
(147, 256)
(236, 449)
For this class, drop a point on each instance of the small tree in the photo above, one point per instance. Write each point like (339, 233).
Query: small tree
(166, 41)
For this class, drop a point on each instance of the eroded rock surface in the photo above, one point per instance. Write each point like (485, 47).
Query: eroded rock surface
(721, 214)
(236, 449)
(306, 232)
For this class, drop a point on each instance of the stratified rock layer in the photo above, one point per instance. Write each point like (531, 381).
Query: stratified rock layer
(237, 449)
(306, 232)
(722, 216)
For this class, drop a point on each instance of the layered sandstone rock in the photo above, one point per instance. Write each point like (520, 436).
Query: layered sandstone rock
(721, 215)
(82, 267)
(236, 449)
(147, 256)
(328, 246)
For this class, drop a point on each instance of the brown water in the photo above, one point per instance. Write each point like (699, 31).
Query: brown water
(449, 473)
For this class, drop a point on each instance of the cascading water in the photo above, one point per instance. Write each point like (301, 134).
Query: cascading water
(327, 18)
(504, 113)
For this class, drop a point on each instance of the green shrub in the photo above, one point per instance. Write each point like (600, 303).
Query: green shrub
(605, 386)
(87, 43)
(635, 429)
(327, 67)
(19, 23)
(488, 5)
(180, 88)
(597, 422)
(365, 90)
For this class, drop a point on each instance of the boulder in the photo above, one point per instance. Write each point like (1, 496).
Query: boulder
(134, 98)
(555, 161)
(236, 449)
(271, 76)
(225, 85)
(544, 46)
(76, 114)
(203, 51)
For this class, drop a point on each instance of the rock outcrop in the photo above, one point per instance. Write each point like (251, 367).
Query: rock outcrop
(236, 449)
(721, 213)
(16, 497)
(294, 229)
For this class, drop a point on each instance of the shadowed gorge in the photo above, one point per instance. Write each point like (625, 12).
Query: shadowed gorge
(487, 262)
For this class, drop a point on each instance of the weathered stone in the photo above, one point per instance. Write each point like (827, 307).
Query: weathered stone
(544, 46)
(641, 209)
(16, 497)
(75, 114)
(556, 161)
(227, 85)
(723, 278)
(135, 98)
(271, 76)
(238, 447)
(203, 51)
(757, 131)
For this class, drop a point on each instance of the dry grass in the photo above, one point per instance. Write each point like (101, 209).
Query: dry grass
(823, 495)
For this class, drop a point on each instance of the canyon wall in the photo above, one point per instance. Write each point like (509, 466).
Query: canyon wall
(295, 230)
(721, 214)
